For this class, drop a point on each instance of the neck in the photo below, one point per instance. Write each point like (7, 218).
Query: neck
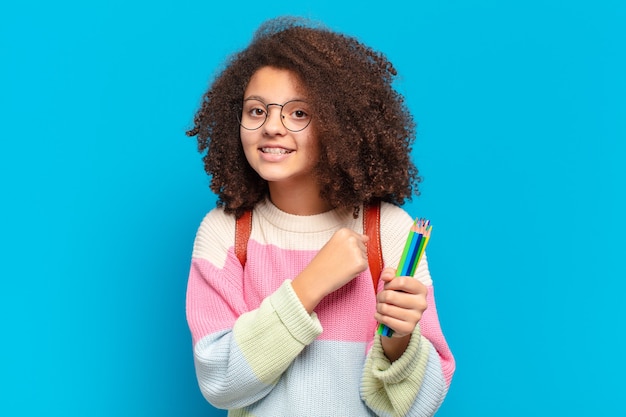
(298, 201)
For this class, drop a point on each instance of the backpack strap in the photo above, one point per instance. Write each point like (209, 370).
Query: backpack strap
(243, 228)
(371, 227)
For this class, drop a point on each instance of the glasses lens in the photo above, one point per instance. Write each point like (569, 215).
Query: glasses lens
(253, 114)
(296, 115)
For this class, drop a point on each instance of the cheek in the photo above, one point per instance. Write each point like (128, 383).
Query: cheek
(246, 139)
(313, 149)
(244, 135)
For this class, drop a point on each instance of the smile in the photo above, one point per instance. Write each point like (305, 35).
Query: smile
(275, 151)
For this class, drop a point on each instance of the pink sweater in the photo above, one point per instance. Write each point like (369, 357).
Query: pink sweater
(258, 352)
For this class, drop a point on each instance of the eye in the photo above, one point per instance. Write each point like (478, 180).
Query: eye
(257, 111)
(297, 110)
(254, 109)
(300, 114)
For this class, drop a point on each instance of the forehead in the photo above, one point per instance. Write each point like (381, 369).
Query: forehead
(275, 85)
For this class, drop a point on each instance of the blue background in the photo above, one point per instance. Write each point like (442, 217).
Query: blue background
(521, 109)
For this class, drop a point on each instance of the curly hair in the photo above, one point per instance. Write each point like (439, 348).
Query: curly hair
(364, 128)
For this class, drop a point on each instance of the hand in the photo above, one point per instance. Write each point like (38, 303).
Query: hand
(401, 303)
(339, 261)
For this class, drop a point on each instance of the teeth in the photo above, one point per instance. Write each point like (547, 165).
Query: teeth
(275, 151)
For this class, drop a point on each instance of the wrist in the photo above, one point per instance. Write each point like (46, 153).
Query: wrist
(394, 347)
(308, 290)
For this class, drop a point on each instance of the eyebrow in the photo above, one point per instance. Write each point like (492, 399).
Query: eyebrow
(262, 100)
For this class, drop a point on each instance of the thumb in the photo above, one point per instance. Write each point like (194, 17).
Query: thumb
(388, 274)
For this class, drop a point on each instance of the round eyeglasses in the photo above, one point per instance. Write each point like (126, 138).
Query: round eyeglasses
(294, 114)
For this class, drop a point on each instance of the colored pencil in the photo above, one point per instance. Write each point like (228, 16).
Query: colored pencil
(414, 248)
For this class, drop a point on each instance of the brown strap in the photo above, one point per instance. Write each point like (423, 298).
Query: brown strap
(371, 227)
(243, 228)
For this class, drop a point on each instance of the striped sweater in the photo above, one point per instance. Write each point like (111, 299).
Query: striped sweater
(257, 351)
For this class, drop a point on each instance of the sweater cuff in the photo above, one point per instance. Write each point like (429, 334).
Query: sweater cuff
(303, 327)
(405, 366)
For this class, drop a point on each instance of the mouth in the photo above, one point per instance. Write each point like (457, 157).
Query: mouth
(276, 151)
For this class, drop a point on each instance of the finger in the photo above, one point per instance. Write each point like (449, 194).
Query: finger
(409, 311)
(401, 300)
(361, 239)
(403, 321)
(400, 327)
(406, 284)
(388, 274)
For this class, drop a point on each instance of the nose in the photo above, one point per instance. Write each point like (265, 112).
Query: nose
(274, 124)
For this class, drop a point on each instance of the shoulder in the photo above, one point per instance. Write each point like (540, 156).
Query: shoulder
(395, 224)
(394, 219)
(215, 235)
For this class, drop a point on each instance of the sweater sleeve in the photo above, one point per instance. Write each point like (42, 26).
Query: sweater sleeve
(239, 355)
(417, 383)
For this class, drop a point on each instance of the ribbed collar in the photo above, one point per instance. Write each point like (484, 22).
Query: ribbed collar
(304, 224)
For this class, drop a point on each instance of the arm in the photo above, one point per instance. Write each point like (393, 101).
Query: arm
(239, 354)
(417, 382)
(339, 261)
(399, 305)
(408, 374)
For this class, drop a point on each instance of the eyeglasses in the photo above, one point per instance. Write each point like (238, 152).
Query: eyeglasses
(294, 114)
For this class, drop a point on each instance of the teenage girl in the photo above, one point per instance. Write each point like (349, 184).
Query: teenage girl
(303, 130)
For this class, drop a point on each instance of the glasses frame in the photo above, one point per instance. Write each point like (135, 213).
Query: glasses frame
(267, 113)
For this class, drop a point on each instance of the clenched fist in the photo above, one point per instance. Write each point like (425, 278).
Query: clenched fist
(339, 261)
